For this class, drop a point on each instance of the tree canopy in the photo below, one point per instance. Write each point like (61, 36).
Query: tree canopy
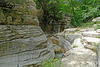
(82, 11)
(53, 9)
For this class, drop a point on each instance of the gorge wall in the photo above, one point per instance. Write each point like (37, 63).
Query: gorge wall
(23, 42)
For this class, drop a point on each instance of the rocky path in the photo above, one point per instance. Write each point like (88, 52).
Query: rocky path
(82, 55)
(79, 57)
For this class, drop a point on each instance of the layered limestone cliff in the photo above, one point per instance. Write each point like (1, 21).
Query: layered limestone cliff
(22, 44)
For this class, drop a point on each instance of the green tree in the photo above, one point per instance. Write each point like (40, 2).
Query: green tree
(53, 9)
(83, 10)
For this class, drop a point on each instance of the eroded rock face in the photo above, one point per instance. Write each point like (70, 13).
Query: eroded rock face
(63, 44)
(23, 45)
(25, 13)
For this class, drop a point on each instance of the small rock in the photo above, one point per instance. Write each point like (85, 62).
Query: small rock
(57, 49)
(98, 31)
(96, 19)
(90, 42)
(77, 42)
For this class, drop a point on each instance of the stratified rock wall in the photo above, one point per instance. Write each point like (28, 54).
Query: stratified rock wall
(23, 43)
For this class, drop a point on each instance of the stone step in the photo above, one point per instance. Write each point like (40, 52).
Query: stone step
(91, 39)
(98, 30)
(70, 30)
(90, 42)
(79, 57)
(90, 34)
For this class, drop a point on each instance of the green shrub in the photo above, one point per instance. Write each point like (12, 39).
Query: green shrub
(1, 13)
(51, 63)
(98, 37)
(95, 47)
(74, 46)
(98, 27)
(83, 11)
(88, 24)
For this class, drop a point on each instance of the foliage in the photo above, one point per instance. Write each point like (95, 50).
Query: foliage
(98, 27)
(74, 46)
(95, 47)
(98, 37)
(2, 17)
(51, 63)
(53, 9)
(1, 13)
(84, 11)
(86, 25)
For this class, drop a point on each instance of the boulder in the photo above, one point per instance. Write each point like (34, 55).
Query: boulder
(57, 49)
(98, 30)
(90, 42)
(96, 19)
(77, 42)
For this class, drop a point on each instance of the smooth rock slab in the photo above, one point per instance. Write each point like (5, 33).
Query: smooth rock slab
(90, 42)
(77, 42)
(72, 37)
(79, 57)
(90, 39)
(98, 30)
(90, 34)
(70, 30)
